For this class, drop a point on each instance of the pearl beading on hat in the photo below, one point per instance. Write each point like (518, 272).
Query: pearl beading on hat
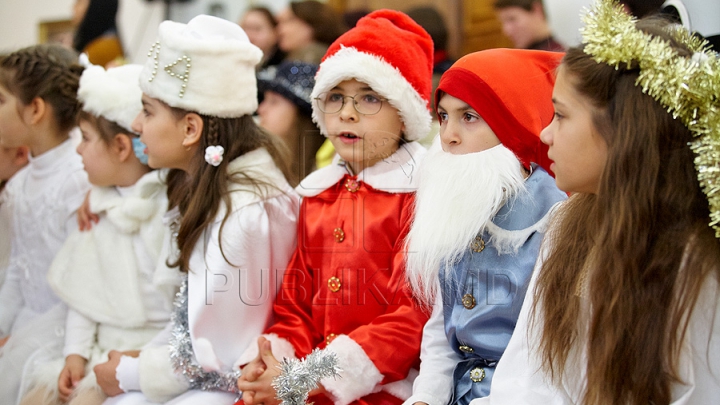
(186, 74)
(154, 53)
(184, 77)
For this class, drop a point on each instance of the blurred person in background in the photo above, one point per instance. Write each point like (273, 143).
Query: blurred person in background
(306, 29)
(261, 28)
(96, 32)
(525, 23)
(286, 112)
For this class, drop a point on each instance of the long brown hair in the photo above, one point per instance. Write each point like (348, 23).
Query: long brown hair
(199, 193)
(635, 255)
(50, 72)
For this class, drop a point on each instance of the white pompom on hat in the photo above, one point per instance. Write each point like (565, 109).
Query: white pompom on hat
(113, 94)
(206, 66)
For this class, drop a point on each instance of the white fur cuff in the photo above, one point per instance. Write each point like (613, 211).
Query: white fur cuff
(358, 375)
(158, 381)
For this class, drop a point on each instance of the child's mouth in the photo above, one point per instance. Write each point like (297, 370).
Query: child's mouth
(347, 137)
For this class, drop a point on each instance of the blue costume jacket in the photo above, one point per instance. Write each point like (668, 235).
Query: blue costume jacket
(484, 290)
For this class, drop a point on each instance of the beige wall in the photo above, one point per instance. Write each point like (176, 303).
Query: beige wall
(20, 20)
(137, 19)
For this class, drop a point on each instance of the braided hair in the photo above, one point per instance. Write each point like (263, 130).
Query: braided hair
(50, 72)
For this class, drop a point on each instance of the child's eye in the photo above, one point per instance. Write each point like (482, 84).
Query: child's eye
(334, 98)
(370, 98)
(557, 116)
(442, 116)
(470, 117)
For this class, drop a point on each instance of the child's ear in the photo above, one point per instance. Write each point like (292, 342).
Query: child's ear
(123, 146)
(35, 111)
(193, 128)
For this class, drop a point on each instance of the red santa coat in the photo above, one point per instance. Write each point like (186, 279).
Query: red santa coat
(345, 287)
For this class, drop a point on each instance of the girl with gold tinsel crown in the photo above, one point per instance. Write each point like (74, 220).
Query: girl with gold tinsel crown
(623, 305)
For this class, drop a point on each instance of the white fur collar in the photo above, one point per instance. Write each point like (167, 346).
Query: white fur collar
(396, 174)
(259, 165)
(128, 213)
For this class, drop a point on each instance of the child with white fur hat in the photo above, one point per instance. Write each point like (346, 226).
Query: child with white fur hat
(231, 212)
(371, 100)
(106, 275)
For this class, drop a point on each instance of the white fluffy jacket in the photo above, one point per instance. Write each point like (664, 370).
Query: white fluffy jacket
(96, 272)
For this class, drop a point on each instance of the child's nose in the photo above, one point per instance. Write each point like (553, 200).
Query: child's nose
(135, 125)
(449, 135)
(348, 111)
(546, 135)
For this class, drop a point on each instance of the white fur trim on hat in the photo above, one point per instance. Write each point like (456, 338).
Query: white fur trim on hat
(113, 94)
(383, 78)
(206, 66)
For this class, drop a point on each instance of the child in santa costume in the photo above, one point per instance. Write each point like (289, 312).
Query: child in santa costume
(344, 290)
(483, 203)
(231, 218)
(107, 275)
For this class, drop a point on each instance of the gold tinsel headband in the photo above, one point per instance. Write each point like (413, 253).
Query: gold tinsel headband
(689, 88)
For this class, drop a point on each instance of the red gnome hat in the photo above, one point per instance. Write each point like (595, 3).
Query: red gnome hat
(512, 90)
(393, 55)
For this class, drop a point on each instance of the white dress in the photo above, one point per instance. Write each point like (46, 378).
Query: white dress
(42, 199)
(117, 296)
(519, 379)
(229, 305)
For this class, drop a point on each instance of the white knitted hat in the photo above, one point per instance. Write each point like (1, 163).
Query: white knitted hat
(206, 66)
(113, 94)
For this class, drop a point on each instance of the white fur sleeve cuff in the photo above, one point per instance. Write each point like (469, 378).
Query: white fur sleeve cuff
(281, 349)
(158, 380)
(358, 375)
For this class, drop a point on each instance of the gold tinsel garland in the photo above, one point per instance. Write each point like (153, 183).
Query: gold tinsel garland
(689, 88)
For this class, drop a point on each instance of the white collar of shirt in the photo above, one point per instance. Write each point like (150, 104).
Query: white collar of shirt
(395, 174)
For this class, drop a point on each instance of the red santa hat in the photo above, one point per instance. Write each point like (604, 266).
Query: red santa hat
(393, 55)
(512, 90)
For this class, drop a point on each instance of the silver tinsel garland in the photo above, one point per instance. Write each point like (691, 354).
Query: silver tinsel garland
(181, 352)
(297, 378)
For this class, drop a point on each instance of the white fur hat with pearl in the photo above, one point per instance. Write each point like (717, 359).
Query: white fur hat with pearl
(205, 66)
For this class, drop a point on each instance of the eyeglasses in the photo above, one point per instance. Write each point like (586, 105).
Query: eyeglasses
(364, 103)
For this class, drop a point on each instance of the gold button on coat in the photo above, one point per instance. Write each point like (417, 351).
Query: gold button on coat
(330, 338)
(468, 301)
(352, 185)
(334, 284)
(339, 235)
(466, 349)
(477, 374)
(477, 245)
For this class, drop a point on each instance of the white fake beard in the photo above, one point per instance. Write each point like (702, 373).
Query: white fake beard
(456, 198)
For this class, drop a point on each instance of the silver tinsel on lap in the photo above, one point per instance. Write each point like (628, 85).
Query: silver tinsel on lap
(297, 378)
(181, 352)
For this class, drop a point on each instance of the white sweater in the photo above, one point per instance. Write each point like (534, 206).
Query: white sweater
(42, 199)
